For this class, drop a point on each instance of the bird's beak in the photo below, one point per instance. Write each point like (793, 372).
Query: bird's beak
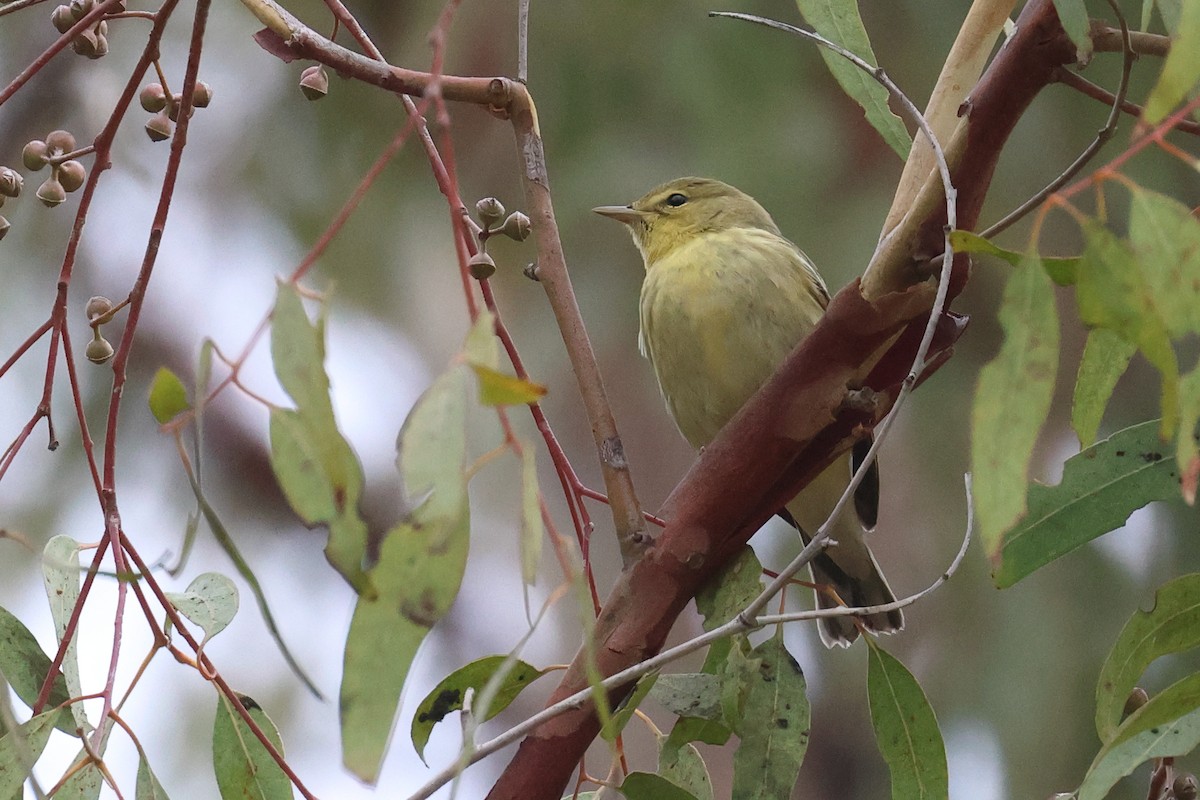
(625, 214)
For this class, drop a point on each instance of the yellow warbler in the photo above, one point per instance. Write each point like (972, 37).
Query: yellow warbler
(725, 299)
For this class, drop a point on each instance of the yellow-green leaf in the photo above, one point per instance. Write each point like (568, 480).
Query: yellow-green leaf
(1012, 400)
(1181, 70)
(1063, 271)
(245, 769)
(1105, 358)
(498, 389)
(1073, 15)
(449, 694)
(839, 21)
(906, 729)
(482, 347)
(417, 577)
(168, 398)
(532, 529)
(1114, 293)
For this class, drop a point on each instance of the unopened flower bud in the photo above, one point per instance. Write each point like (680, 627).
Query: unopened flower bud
(153, 97)
(97, 306)
(201, 95)
(80, 8)
(34, 156)
(481, 266)
(59, 142)
(62, 19)
(1184, 787)
(517, 226)
(490, 211)
(71, 175)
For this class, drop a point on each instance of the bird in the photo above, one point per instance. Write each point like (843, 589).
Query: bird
(724, 300)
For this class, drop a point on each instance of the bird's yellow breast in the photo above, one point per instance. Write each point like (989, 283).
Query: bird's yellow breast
(718, 315)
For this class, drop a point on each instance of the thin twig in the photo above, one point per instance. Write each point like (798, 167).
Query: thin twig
(1073, 79)
(523, 41)
(1107, 39)
(1102, 136)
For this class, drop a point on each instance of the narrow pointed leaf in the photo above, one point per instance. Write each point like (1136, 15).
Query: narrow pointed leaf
(417, 577)
(60, 574)
(1172, 625)
(1012, 400)
(25, 666)
(482, 347)
(448, 695)
(533, 532)
(298, 353)
(1100, 488)
(1168, 725)
(839, 21)
(21, 748)
(1105, 358)
(148, 787)
(906, 729)
(620, 716)
(1181, 70)
(1073, 15)
(1063, 271)
(1114, 293)
(774, 729)
(244, 768)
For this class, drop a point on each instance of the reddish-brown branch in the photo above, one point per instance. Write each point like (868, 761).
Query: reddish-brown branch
(791, 428)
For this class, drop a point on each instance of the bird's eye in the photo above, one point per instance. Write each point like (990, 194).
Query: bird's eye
(676, 200)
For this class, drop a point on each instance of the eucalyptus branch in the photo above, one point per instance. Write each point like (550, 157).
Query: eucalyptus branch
(1107, 39)
(1102, 136)
(742, 623)
(289, 38)
(784, 436)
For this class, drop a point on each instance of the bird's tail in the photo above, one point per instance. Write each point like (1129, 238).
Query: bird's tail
(845, 571)
(870, 589)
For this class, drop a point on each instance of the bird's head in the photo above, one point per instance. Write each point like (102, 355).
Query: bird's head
(675, 213)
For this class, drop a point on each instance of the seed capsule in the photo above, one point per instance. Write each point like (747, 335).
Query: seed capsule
(62, 19)
(201, 95)
(59, 142)
(35, 154)
(10, 182)
(1137, 698)
(153, 97)
(71, 175)
(481, 266)
(314, 82)
(98, 350)
(51, 193)
(159, 127)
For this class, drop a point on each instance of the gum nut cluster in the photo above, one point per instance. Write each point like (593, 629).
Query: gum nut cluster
(10, 186)
(91, 41)
(165, 107)
(66, 174)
